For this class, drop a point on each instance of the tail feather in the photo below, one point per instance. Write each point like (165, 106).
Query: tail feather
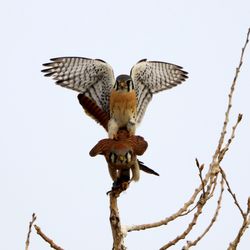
(147, 169)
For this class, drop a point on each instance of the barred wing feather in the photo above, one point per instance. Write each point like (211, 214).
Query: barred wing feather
(92, 77)
(150, 77)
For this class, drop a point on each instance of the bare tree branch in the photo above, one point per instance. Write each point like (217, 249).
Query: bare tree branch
(189, 228)
(210, 187)
(174, 216)
(210, 180)
(27, 243)
(245, 224)
(230, 97)
(193, 243)
(115, 223)
(47, 239)
(183, 209)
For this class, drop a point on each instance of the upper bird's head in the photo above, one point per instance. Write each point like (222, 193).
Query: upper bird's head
(124, 83)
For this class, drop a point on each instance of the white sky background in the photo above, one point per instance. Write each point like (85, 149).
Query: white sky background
(45, 136)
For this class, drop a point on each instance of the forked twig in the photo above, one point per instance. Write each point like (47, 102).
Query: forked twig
(193, 243)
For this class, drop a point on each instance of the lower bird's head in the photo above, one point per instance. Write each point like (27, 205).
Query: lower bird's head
(124, 83)
(120, 157)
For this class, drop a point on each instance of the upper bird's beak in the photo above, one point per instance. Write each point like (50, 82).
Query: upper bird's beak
(123, 85)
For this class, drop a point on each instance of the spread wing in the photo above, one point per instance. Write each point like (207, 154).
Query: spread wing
(150, 77)
(92, 77)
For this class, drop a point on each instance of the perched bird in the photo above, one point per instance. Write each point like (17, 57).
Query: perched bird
(125, 98)
(120, 154)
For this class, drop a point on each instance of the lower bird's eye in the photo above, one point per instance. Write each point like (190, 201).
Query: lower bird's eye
(112, 157)
(128, 156)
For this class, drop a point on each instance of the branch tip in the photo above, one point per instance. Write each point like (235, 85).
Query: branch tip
(29, 231)
(248, 205)
(240, 117)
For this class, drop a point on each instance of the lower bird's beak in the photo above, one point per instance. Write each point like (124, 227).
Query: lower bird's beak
(121, 157)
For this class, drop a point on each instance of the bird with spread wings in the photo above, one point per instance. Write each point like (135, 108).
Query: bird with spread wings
(124, 98)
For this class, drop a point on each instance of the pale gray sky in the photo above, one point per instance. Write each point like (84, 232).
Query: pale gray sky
(45, 136)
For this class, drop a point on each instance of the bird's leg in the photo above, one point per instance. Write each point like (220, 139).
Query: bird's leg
(131, 126)
(122, 182)
(113, 173)
(112, 128)
(135, 172)
(124, 176)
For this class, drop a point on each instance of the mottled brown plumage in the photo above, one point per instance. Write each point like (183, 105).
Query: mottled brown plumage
(121, 155)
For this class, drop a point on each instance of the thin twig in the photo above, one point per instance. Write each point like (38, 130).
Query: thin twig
(189, 211)
(27, 243)
(245, 224)
(47, 239)
(232, 193)
(229, 106)
(200, 168)
(193, 243)
(226, 147)
(190, 226)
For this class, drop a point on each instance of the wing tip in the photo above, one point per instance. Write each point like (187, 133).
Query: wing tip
(100, 60)
(48, 74)
(142, 60)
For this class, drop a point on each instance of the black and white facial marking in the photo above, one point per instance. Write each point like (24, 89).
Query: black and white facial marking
(128, 156)
(112, 157)
(121, 158)
(124, 83)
